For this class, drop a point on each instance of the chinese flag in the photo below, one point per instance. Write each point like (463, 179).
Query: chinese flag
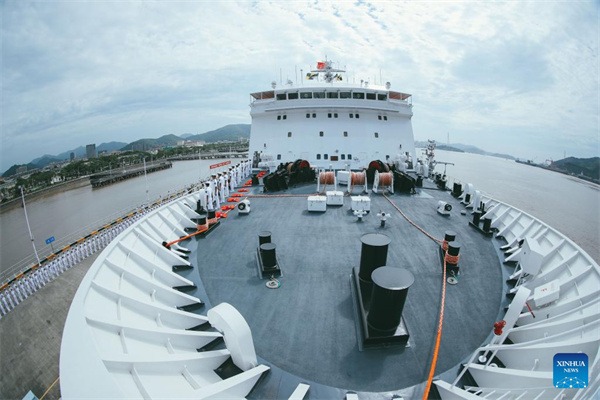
(320, 65)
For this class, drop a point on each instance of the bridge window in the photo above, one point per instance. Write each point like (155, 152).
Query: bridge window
(289, 134)
(314, 115)
(328, 115)
(284, 116)
(278, 117)
(345, 95)
(376, 134)
(335, 115)
(306, 95)
(345, 133)
(279, 156)
(307, 115)
(343, 156)
(370, 96)
(351, 115)
(292, 96)
(379, 117)
(387, 156)
(319, 95)
(385, 117)
(332, 95)
(280, 96)
(358, 95)
(356, 115)
(318, 156)
(321, 134)
(382, 97)
(325, 156)
(349, 156)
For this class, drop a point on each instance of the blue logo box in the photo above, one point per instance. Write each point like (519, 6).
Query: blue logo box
(570, 370)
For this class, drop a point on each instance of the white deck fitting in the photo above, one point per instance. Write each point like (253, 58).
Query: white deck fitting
(569, 324)
(126, 338)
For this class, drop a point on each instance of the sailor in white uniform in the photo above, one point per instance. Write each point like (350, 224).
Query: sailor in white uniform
(221, 184)
(231, 180)
(203, 196)
(215, 187)
(209, 195)
(225, 185)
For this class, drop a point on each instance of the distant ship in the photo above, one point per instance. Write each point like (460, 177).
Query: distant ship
(335, 263)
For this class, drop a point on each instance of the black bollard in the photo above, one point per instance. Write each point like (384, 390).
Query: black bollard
(264, 237)
(390, 288)
(456, 189)
(452, 257)
(487, 224)
(476, 217)
(449, 236)
(267, 254)
(373, 254)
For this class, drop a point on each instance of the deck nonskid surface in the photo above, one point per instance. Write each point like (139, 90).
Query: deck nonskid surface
(307, 327)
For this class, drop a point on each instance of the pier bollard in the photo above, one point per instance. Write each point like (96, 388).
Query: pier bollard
(373, 254)
(390, 289)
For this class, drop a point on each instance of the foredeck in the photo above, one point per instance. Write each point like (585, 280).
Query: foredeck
(306, 330)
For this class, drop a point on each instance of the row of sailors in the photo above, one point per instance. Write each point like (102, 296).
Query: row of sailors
(219, 186)
(24, 287)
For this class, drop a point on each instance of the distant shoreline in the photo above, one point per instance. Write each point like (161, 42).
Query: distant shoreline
(51, 190)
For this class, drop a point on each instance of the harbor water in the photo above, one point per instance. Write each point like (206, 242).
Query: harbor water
(566, 203)
(72, 214)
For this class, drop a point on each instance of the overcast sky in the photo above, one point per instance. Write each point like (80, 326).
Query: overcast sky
(513, 77)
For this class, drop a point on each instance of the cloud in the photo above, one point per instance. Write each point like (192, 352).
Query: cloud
(75, 73)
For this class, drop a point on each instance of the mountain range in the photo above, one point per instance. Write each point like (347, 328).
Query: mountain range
(228, 132)
(589, 167)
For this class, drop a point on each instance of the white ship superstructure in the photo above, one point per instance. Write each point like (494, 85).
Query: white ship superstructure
(330, 123)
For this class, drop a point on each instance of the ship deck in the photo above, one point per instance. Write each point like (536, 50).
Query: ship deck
(307, 330)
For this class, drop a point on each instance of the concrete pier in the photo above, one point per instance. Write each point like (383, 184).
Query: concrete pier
(31, 336)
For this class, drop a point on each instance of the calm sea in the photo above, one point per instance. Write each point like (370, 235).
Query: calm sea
(566, 203)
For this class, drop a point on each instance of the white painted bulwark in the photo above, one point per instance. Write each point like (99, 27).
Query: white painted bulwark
(556, 309)
(125, 336)
(237, 334)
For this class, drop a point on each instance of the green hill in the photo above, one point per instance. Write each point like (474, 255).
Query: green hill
(228, 132)
(589, 167)
(150, 144)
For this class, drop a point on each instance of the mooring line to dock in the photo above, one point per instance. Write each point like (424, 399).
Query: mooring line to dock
(438, 338)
